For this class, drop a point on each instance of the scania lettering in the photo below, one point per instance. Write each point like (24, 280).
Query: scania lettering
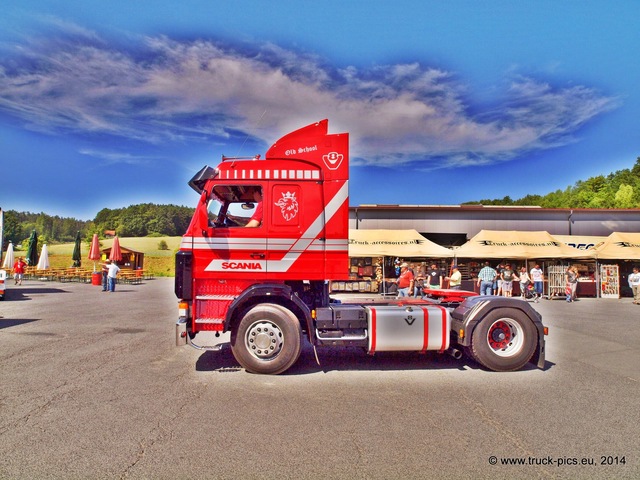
(241, 266)
(270, 234)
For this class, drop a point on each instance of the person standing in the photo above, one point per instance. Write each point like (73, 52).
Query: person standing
(508, 276)
(455, 280)
(418, 286)
(524, 281)
(18, 270)
(497, 283)
(634, 283)
(575, 288)
(486, 276)
(105, 282)
(571, 276)
(538, 281)
(570, 279)
(434, 277)
(405, 281)
(112, 274)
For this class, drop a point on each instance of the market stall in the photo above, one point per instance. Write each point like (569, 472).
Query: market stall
(616, 257)
(369, 248)
(619, 245)
(587, 267)
(525, 247)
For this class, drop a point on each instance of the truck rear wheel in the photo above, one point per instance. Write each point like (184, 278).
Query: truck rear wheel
(504, 340)
(267, 340)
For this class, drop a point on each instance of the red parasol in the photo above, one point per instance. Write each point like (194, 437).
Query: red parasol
(116, 253)
(94, 251)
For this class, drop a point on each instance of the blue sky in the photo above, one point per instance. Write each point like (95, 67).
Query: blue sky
(108, 104)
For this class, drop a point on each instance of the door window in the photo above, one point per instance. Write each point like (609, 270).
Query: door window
(235, 206)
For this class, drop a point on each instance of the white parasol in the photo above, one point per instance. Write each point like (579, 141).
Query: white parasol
(43, 262)
(8, 258)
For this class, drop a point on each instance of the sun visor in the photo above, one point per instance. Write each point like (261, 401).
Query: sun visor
(200, 179)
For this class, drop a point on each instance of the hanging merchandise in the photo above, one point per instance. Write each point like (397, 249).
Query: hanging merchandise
(609, 281)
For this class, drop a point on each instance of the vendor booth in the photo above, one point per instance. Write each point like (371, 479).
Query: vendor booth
(616, 257)
(513, 244)
(369, 248)
(620, 245)
(587, 267)
(522, 246)
(130, 258)
(394, 243)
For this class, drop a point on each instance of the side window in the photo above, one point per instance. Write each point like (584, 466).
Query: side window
(235, 206)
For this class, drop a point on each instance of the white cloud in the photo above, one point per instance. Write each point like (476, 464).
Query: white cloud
(111, 157)
(161, 90)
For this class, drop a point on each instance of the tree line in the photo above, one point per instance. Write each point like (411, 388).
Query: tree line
(620, 189)
(140, 220)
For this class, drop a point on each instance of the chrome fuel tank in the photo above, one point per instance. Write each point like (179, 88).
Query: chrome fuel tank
(408, 328)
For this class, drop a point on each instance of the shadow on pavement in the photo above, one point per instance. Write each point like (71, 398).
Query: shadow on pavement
(6, 323)
(352, 359)
(220, 361)
(22, 293)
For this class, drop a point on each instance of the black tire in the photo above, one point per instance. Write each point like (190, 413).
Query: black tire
(267, 340)
(504, 340)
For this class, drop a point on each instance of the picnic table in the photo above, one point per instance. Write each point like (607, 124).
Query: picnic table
(75, 274)
(129, 276)
(83, 275)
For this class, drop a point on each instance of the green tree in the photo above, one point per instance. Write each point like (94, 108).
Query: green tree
(161, 225)
(13, 231)
(624, 197)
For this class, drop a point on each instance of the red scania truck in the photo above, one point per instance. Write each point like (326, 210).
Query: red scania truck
(267, 237)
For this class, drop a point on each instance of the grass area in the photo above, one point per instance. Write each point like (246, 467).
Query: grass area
(160, 263)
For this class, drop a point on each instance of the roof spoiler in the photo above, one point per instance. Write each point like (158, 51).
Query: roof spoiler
(200, 179)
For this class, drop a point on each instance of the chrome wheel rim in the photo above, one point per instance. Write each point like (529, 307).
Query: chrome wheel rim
(505, 337)
(264, 340)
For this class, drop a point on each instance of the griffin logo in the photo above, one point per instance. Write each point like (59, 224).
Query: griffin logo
(288, 205)
(332, 160)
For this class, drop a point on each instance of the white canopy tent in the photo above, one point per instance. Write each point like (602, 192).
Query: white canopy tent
(504, 244)
(581, 242)
(394, 243)
(620, 246)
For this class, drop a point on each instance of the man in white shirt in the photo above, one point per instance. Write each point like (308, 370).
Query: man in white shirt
(634, 283)
(112, 274)
(537, 277)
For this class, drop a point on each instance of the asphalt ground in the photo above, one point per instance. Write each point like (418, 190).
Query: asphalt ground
(92, 386)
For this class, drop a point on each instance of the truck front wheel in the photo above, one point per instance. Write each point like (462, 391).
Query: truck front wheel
(504, 340)
(267, 340)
